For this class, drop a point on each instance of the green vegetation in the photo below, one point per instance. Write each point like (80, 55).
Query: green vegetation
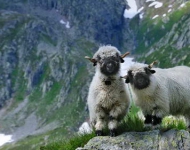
(151, 31)
(168, 56)
(72, 144)
(131, 122)
(68, 110)
(173, 123)
(46, 38)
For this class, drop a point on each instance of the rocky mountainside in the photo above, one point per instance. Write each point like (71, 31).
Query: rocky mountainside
(162, 32)
(151, 140)
(44, 76)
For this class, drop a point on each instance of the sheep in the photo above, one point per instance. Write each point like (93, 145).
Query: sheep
(107, 100)
(160, 92)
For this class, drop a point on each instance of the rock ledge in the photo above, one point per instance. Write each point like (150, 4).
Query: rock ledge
(150, 140)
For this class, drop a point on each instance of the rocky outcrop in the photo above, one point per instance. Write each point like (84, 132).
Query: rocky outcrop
(100, 21)
(150, 140)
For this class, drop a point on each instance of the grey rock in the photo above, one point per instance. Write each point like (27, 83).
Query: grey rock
(150, 140)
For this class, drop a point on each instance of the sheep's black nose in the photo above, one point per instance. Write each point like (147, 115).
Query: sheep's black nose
(110, 67)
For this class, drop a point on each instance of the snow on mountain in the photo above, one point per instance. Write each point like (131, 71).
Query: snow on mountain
(5, 139)
(156, 4)
(132, 11)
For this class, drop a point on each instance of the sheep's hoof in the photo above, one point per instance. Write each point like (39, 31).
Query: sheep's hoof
(156, 120)
(99, 133)
(113, 133)
(148, 119)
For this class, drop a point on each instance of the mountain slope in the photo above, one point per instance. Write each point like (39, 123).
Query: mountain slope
(164, 38)
(44, 76)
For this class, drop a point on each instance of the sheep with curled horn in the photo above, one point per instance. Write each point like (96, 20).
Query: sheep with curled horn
(108, 100)
(160, 92)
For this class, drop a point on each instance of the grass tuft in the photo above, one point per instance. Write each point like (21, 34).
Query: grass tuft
(173, 123)
(72, 144)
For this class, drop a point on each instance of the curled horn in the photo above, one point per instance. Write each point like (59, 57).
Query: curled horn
(124, 55)
(124, 77)
(91, 59)
(151, 65)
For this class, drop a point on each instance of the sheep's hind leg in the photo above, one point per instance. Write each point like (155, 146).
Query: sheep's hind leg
(148, 121)
(156, 122)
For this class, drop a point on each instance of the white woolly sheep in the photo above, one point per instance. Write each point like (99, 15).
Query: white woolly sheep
(160, 92)
(108, 100)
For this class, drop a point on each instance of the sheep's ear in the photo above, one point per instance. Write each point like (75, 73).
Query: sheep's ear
(152, 71)
(148, 70)
(122, 60)
(126, 79)
(95, 63)
(92, 60)
(122, 56)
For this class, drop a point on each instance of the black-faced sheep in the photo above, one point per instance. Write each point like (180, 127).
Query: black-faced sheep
(160, 92)
(108, 100)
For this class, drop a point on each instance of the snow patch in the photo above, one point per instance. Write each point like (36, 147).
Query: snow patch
(169, 10)
(126, 65)
(85, 128)
(140, 9)
(155, 16)
(182, 5)
(156, 4)
(150, 1)
(141, 15)
(5, 139)
(170, 6)
(67, 25)
(132, 11)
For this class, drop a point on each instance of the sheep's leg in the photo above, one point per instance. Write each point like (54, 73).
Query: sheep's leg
(114, 116)
(112, 125)
(100, 121)
(156, 121)
(148, 121)
(157, 117)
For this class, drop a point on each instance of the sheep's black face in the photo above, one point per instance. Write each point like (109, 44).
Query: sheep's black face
(110, 65)
(141, 79)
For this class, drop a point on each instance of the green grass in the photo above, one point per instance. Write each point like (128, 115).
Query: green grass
(56, 139)
(131, 122)
(72, 144)
(168, 56)
(173, 123)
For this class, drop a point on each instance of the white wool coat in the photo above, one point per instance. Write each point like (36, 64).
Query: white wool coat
(107, 96)
(169, 92)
